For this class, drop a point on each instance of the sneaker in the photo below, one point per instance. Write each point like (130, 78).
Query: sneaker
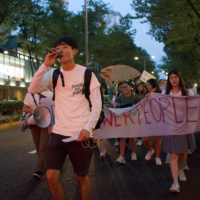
(189, 151)
(103, 154)
(38, 174)
(167, 158)
(158, 161)
(185, 168)
(139, 143)
(116, 143)
(175, 188)
(181, 175)
(121, 160)
(149, 154)
(133, 156)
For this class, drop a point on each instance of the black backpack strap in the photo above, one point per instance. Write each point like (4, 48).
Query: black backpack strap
(86, 87)
(34, 99)
(56, 74)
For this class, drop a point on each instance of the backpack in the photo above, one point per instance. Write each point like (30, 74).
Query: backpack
(86, 90)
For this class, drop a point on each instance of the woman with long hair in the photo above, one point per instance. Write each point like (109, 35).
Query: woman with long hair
(127, 99)
(140, 92)
(177, 145)
(152, 86)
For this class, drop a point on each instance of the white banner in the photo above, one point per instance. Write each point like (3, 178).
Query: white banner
(156, 116)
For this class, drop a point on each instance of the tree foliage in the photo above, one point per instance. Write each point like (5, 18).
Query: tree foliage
(177, 24)
(43, 22)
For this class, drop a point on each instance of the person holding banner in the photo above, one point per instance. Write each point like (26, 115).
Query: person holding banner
(177, 145)
(140, 92)
(127, 99)
(152, 86)
(73, 116)
(116, 94)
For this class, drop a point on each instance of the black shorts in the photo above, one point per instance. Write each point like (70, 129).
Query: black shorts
(57, 150)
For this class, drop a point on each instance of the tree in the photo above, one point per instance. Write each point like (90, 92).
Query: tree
(5, 30)
(30, 25)
(175, 23)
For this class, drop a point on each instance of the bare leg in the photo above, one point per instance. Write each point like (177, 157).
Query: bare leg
(103, 144)
(133, 144)
(56, 189)
(181, 160)
(174, 167)
(147, 142)
(84, 183)
(157, 146)
(122, 146)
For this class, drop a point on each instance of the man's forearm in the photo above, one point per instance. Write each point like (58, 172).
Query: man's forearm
(36, 82)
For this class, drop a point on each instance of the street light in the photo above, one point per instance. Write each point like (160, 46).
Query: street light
(152, 72)
(145, 59)
(163, 71)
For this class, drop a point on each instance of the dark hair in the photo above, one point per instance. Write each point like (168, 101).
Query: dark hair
(181, 83)
(130, 84)
(120, 83)
(137, 81)
(103, 85)
(137, 91)
(154, 84)
(66, 40)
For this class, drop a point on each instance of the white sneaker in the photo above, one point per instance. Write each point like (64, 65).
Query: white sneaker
(185, 167)
(167, 158)
(116, 143)
(158, 161)
(121, 160)
(139, 143)
(189, 151)
(133, 156)
(103, 154)
(175, 188)
(181, 175)
(149, 154)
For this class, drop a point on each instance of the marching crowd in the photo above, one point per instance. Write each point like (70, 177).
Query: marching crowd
(126, 94)
(73, 112)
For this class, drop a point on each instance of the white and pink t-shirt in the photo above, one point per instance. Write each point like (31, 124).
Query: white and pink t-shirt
(72, 111)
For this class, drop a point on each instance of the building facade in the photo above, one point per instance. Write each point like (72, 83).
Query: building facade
(15, 71)
(112, 18)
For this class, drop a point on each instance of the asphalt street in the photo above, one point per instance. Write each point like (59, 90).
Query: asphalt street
(136, 180)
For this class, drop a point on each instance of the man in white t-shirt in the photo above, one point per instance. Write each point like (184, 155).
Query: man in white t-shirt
(72, 114)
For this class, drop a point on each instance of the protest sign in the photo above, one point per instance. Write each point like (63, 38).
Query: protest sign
(119, 73)
(146, 76)
(156, 116)
(194, 90)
